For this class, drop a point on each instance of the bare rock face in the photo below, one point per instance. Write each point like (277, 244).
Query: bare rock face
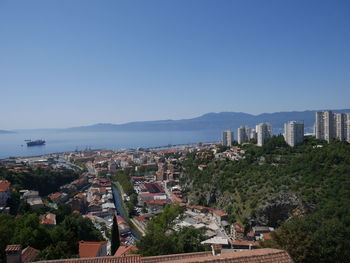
(279, 209)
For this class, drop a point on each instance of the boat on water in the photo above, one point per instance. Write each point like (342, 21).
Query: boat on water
(35, 143)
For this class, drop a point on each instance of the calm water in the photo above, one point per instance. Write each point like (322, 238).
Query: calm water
(58, 141)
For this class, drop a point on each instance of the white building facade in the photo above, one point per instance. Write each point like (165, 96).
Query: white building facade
(227, 138)
(243, 134)
(331, 125)
(264, 132)
(293, 132)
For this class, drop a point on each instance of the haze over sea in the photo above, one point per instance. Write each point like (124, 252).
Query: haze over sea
(61, 141)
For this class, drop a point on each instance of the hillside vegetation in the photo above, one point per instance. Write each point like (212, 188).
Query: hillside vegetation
(308, 186)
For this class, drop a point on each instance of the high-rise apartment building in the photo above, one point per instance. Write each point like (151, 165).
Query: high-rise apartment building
(294, 132)
(264, 131)
(332, 125)
(243, 134)
(347, 127)
(340, 122)
(227, 138)
(253, 134)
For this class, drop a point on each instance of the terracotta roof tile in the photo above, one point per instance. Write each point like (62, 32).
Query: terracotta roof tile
(219, 212)
(48, 219)
(265, 255)
(12, 248)
(4, 185)
(29, 254)
(89, 249)
(55, 196)
(124, 259)
(124, 250)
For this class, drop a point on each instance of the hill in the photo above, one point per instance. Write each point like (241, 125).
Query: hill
(5, 132)
(303, 191)
(210, 121)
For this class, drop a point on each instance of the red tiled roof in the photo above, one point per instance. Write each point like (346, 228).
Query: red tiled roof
(4, 185)
(29, 254)
(174, 257)
(245, 243)
(89, 249)
(124, 259)
(238, 227)
(266, 236)
(124, 250)
(79, 196)
(48, 219)
(265, 255)
(219, 213)
(140, 218)
(11, 248)
(250, 234)
(55, 196)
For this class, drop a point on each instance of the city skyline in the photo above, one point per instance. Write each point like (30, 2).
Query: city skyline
(67, 64)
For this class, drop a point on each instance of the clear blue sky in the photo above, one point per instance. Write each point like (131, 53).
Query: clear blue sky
(68, 63)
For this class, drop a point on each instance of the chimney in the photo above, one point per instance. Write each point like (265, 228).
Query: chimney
(216, 249)
(13, 254)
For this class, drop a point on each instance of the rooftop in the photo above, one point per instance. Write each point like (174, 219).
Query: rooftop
(90, 249)
(4, 185)
(265, 255)
(124, 250)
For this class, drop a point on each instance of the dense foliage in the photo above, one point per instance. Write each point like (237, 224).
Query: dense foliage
(125, 182)
(318, 237)
(317, 174)
(58, 242)
(163, 237)
(25, 229)
(43, 180)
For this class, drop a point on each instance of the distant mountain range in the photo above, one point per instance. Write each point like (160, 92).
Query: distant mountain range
(211, 121)
(4, 132)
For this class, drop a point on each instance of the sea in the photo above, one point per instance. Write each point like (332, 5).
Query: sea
(14, 145)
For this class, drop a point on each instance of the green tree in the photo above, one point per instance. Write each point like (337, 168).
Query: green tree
(7, 225)
(58, 250)
(29, 232)
(163, 237)
(73, 229)
(115, 241)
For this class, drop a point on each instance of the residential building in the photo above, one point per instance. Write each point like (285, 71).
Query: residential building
(264, 131)
(15, 254)
(48, 220)
(227, 138)
(293, 132)
(347, 129)
(237, 231)
(92, 249)
(324, 127)
(4, 192)
(264, 255)
(33, 199)
(340, 122)
(243, 134)
(331, 125)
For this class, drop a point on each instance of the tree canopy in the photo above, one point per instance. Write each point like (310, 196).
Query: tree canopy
(163, 237)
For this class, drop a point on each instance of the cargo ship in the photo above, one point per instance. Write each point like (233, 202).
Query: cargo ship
(35, 143)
